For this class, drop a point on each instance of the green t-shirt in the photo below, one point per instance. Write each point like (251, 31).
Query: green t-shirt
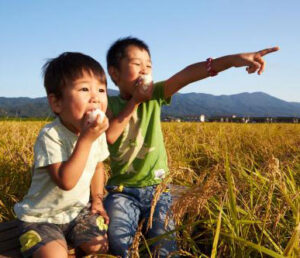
(138, 157)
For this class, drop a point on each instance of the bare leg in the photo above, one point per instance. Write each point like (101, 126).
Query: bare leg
(53, 249)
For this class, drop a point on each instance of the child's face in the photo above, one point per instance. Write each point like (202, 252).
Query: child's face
(136, 62)
(79, 97)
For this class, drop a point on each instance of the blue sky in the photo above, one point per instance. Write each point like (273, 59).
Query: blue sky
(178, 33)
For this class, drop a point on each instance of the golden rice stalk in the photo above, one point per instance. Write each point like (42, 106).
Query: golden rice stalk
(134, 249)
(159, 189)
(181, 253)
(193, 200)
(274, 170)
(254, 246)
(218, 229)
(275, 174)
(294, 242)
(99, 256)
(232, 192)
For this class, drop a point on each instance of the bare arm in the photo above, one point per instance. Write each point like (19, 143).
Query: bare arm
(66, 174)
(97, 192)
(253, 61)
(117, 124)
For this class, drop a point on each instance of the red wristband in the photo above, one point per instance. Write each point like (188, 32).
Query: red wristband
(210, 71)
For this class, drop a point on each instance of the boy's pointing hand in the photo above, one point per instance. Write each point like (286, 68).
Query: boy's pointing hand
(254, 60)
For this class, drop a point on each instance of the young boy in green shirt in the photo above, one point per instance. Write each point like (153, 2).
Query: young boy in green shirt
(137, 152)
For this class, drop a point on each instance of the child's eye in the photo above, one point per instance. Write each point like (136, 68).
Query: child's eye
(102, 90)
(149, 66)
(84, 89)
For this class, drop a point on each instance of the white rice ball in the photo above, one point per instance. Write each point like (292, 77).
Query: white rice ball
(147, 79)
(93, 115)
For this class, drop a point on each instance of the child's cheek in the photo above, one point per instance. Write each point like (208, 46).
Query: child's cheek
(103, 106)
(133, 74)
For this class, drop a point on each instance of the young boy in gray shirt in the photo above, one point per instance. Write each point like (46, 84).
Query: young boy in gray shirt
(68, 156)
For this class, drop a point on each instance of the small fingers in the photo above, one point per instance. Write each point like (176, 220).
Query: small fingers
(262, 64)
(253, 67)
(106, 219)
(101, 121)
(105, 216)
(105, 122)
(250, 69)
(267, 51)
(94, 211)
(94, 123)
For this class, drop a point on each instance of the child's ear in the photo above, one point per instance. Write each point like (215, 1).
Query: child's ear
(113, 73)
(55, 103)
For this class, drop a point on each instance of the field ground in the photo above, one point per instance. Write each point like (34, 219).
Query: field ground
(240, 194)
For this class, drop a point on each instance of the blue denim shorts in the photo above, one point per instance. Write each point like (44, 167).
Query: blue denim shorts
(127, 207)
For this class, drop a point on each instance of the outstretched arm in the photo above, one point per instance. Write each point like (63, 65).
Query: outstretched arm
(198, 71)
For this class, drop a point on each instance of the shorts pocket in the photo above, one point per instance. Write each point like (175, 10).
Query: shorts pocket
(101, 224)
(29, 239)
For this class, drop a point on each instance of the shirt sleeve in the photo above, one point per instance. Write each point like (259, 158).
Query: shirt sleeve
(159, 93)
(49, 149)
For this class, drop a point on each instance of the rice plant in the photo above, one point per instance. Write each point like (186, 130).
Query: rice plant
(236, 187)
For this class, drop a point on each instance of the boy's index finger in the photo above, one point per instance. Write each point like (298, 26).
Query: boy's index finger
(268, 51)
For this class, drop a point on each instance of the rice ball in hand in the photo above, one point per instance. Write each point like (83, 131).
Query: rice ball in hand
(93, 115)
(146, 80)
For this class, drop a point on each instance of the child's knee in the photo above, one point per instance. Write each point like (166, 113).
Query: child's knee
(56, 248)
(97, 245)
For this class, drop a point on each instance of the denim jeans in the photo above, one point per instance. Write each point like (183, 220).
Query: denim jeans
(126, 208)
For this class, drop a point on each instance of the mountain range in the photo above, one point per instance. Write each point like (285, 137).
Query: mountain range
(257, 104)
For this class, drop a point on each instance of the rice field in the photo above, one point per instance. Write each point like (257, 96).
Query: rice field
(237, 193)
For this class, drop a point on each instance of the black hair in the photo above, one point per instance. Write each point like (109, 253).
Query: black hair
(68, 67)
(117, 50)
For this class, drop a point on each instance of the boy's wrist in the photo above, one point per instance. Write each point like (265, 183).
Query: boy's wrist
(231, 60)
(97, 198)
(83, 139)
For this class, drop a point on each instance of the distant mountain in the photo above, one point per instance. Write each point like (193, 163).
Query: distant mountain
(24, 107)
(257, 104)
(29, 107)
